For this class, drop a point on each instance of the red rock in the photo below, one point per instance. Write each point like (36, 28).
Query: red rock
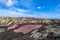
(27, 28)
(9, 28)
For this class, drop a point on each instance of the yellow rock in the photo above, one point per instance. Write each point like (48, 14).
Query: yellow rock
(5, 21)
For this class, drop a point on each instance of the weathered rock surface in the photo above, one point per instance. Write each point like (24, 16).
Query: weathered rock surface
(36, 29)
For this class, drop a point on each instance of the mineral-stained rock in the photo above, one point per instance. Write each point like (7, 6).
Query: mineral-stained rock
(27, 28)
(6, 21)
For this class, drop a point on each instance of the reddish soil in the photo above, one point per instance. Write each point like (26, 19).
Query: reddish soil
(26, 28)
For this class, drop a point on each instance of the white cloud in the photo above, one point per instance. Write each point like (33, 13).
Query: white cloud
(18, 13)
(15, 12)
(21, 10)
(9, 3)
(53, 14)
(26, 13)
(39, 7)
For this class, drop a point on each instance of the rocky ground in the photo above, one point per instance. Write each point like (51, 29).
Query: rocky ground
(50, 30)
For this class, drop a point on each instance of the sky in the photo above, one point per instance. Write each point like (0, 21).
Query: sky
(30, 8)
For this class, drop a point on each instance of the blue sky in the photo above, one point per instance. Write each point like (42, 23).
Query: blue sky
(30, 8)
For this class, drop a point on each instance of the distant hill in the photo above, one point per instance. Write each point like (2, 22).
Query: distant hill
(5, 21)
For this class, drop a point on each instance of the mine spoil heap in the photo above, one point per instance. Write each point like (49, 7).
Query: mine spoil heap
(46, 29)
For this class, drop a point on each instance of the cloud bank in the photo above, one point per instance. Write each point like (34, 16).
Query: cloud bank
(16, 12)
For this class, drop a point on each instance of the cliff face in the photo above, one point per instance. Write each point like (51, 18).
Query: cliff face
(5, 21)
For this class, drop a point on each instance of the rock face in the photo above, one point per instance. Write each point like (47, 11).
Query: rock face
(6, 21)
(29, 29)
